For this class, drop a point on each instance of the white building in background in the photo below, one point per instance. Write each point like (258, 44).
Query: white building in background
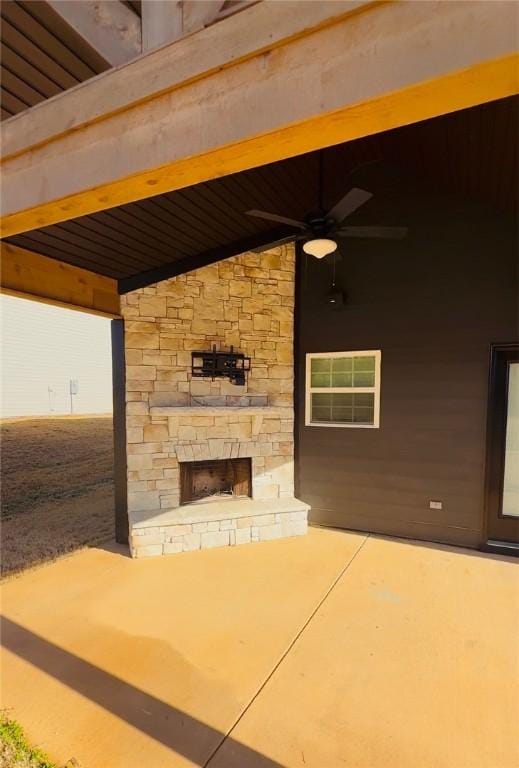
(45, 348)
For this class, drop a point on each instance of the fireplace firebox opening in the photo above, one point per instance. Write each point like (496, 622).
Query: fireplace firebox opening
(222, 479)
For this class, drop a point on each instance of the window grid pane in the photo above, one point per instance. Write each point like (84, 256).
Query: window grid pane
(343, 408)
(341, 364)
(343, 372)
(341, 379)
(321, 380)
(364, 363)
(364, 379)
(321, 365)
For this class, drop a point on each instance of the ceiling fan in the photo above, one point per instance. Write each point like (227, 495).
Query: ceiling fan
(320, 229)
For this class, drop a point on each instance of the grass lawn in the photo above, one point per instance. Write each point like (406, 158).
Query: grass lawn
(57, 487)
(15, 752)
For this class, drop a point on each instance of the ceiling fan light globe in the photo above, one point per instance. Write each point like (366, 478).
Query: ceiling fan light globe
(320, 247)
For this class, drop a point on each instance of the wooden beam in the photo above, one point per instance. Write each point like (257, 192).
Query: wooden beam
(161, 22)
(168, 69)
(164, 21)
(229, 9)
(110, 28)
(242, 94)
(199, 13)
(32, 276)
(180, 266)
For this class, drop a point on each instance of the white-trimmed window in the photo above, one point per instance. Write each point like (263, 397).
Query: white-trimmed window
(343, 389)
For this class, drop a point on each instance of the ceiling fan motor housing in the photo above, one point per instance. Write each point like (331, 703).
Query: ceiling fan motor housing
(320, 225)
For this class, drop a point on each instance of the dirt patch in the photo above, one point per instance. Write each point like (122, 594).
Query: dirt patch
(57, 487)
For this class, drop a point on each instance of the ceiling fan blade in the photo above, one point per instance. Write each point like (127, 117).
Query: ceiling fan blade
(384, 233)
(275, 217)
(349, 203)
(274, 243)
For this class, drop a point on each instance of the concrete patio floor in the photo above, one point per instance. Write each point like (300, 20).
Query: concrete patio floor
(333, 649)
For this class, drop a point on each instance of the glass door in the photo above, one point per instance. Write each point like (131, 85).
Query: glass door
(502, 481)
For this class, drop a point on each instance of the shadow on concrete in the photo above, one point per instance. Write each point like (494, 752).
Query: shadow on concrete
(455, 549)
(171, 727)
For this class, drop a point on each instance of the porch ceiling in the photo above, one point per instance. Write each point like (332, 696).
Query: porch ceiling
(471, 154)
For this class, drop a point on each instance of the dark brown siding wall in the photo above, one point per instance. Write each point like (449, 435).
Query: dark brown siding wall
(433, 304)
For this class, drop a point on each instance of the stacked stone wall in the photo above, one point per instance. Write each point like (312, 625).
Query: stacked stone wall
(248, 302)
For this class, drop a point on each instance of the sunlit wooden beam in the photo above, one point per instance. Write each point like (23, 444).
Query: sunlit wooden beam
(271, 82)
(33, 276)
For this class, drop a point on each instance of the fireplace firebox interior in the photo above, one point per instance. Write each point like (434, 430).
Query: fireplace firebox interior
(215, 480)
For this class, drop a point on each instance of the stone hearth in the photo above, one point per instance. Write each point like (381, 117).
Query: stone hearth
(248, 302)
(218, 524)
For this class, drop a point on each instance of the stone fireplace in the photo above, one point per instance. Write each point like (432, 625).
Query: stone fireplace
(210, 462)
(215, 479)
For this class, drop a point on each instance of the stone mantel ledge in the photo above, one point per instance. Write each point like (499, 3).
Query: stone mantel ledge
(189, 514)
(222, 410)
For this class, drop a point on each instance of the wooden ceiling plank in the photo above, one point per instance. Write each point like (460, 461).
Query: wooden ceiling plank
(34, 276)
(78, 233)
(76, 253)
(210, 199)
(41, 11)
(233, 203)
(199, 237)
(11, 102)
(195, 209)
(78, 243)
(293, 185)
(207, 208)
(139, 227)
(28, 73)
(15, 85)
(238, 186)
(270, 196)
(36, 58)
(162, 222)
(23, 20)
(232, 190)
(111, 29)
(116, 236)
(297, 180)
(273, 189)
(254, 198)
